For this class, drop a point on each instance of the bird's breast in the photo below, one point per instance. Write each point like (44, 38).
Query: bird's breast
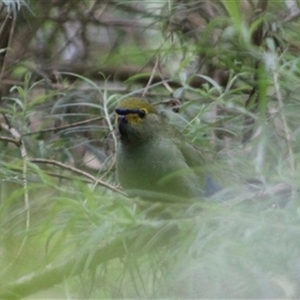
(157, 167)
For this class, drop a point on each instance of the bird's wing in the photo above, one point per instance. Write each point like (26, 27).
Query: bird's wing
(195, 160)
(191, 154)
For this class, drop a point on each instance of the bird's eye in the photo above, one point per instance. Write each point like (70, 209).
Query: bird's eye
(142, 113)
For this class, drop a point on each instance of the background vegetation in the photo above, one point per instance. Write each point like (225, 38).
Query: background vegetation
(227, 75)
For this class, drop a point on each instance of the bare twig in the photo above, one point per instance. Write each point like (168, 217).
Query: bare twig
(76, 171)
(104, 21)
(291, 17)
(294, 11)
(111, 129)
(151, 76)
(57, 175)
(20, 143)
(63, 127)
(10, 140)
(25, 182)
(8, 22)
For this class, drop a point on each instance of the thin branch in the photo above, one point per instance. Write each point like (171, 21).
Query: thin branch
(151, 76)
(292, 17)
(294, 11)
(77, 171)
(120, 73)
(18, 141)
(25, 182)
(111, 129)
(57, 175)
(9, 21)
(10, 140)
(64, 127)
(104, 21)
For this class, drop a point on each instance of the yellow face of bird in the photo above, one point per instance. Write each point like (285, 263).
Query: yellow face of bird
(134, 110)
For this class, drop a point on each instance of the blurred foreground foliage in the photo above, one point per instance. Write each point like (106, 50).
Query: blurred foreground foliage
(226, 73)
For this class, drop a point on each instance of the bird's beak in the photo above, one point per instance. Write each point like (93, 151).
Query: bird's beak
(122, 124)
(121, 119)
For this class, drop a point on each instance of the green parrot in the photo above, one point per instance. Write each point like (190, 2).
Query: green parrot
(154, 160)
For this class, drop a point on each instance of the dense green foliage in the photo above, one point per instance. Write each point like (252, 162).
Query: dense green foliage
(225, 73)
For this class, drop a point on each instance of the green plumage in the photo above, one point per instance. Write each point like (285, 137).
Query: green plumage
(154, 160)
